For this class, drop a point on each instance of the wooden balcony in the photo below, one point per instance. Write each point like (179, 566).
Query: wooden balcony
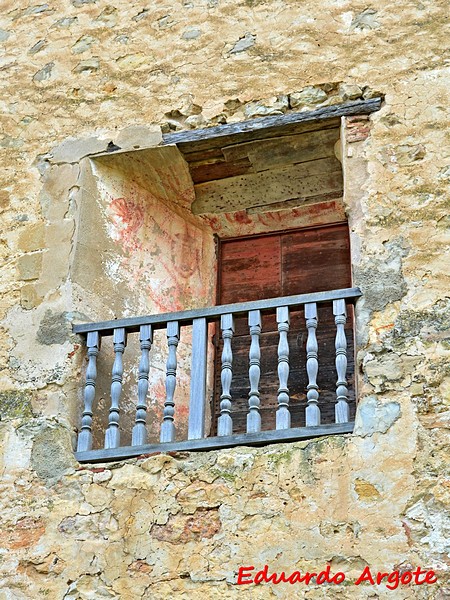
(227, 435)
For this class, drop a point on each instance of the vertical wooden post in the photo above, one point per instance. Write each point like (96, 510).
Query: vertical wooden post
(283, 416)
(254, 372)
(139, 435)
(197, 404)
(340, 318)
(167, 433)
(112, 437)
(312, 367)
(85, 436)
(225, 422)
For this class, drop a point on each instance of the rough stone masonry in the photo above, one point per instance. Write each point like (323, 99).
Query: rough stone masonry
(82, 74)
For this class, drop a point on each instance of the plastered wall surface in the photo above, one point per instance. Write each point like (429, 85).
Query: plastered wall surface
(78, 75)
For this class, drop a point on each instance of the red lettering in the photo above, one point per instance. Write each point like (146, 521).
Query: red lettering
(338, 578)
(295, 577)
(381, 576)
(429, 576)
(393, 578)
(406, 578)
(324, 576)
(309, 576)
(366, 575)
(261, 575)
(241, 574)
(417, 573)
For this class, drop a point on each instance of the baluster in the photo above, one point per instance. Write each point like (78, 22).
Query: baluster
(197, 404)
(312, 366)
(112, 437)
(85, 436)
(340, 318)
(254, 372)
(283, 418)
(139, 436)
(168, 428)
(225, 422)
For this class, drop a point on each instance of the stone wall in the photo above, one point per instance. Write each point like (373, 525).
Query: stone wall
(82, 74)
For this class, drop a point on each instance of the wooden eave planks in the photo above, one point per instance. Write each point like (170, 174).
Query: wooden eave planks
(302, 181)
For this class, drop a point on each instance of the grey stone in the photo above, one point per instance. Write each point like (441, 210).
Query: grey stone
(142, 15)
(54, 329)
(382, 280)
(4, 35)
(87, 66)
(52, 454)
(306, 96)
(31, 10)
(44, 73)
(349, 91)
(268, 106)
(83, 44)
(165, 22)
(122, 39)
(15, 404)
(244, 43)
(368, 93)
(136, 136)
(367, 19)
(9, 142)
(37, 46)
(373, 416)
(72, 151)
(407, 154)
(65, 22)
(195, 121)
(383, 367)
(172, 125)
(108, 17)
(78, 3)
(444, 173)
(191, 33)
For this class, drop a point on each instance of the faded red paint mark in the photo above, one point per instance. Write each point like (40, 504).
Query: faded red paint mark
(129, 217)
(387, 327)
(75, 348)
(241, 217)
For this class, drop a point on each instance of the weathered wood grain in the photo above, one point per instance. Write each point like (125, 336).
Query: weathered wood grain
(219, 169)
(261, 438)
(257, 189)
(186, 317)
(280, 151)
(202, 139)
(197, 404)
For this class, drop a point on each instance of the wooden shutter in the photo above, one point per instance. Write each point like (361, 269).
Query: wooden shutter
(281, 264)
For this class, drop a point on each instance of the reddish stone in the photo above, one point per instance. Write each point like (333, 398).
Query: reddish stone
(26, 533)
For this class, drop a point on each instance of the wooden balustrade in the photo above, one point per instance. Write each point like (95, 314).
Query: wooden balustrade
(198, 320)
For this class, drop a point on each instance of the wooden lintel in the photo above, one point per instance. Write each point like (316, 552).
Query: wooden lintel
(261, 438)
(209, 137)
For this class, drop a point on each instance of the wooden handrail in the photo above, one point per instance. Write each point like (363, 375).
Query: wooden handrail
(186, 317)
